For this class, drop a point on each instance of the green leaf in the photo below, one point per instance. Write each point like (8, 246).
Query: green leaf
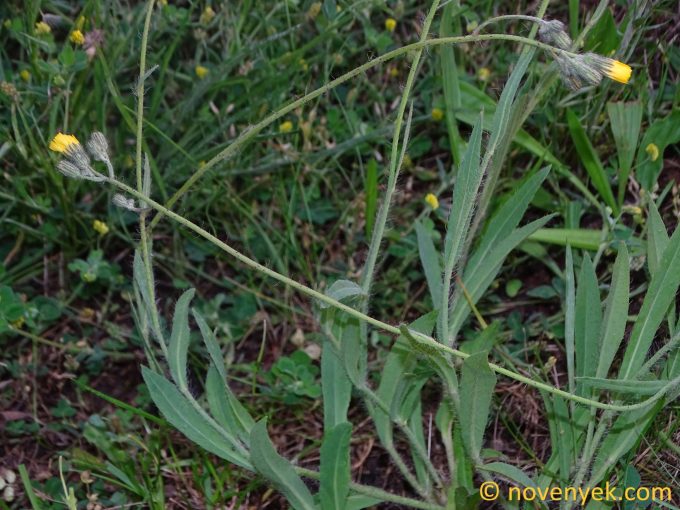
(359, 501)
(625, 120)
(342, 289)
(661, 133)
(335, 384)
(225, 406)
(431, 264)
(585, 239)
(591, 161)
(476, 391)
(627, 431)
(180, 413)
(483, 267)
(335, 468)
(469, 179)
(278, 470)
(588, 320)
(616, 312)
(660, 295)
(570, 319)
(510, 472)
(657, 238)
(633, 387)
(179, 340)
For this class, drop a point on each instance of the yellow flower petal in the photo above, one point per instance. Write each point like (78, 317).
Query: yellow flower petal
(100, 227)
(286, 127)
(42, 28)
(390, 24)
(77, 37)
(61, 142)
(437, 114)
(201, 72)
(432, 201)
(653, 151)
(618, 71)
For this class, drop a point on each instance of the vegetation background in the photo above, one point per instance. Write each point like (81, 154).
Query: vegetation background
(300, 198)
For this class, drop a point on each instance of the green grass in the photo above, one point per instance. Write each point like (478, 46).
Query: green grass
(306, 204)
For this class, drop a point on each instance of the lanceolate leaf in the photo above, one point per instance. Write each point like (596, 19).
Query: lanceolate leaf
(588, 320)
(476, 390)
(335, 385)
(278, 470)
(483, 268)
(179, 412)
(616, 313)
(429, 259)
(625, 119)
(224, 404)
(179, 340)
(660, 295)
(657, 238)
(510, 472)
(335, 468)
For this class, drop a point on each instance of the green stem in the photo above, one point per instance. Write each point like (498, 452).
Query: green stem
(144, 239)
(395, 162)
(427, 341)
(251, 133)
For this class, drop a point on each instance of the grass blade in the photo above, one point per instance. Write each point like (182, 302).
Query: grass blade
(591, 160)
(657, 238)
(569, 319)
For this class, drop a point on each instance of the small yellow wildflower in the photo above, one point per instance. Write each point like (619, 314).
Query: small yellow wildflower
(286, 127)
(303, 64)
(201, 72)
(432, 201)
(483, 73)
(100, 227)
(42, 28)
(61, 142)
(617, 71)
(653, 151)
(314, 10)
(437, 114)
(394, 71)
(390, 24)
(207, 16)
(77, 37)
(25, 75)
(17, 324)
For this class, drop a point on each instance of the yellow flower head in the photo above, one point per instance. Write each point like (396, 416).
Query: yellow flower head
(100, 227)
(61, 142)
(390, 24)
(77, 37)
(286, 127)
(42, 28)
(201, 72)
(207, 16)
(314, 10)
(432, 201)
(617, 71)
(437, 115)
(483, 73)
(25, 75)
(653, 151)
